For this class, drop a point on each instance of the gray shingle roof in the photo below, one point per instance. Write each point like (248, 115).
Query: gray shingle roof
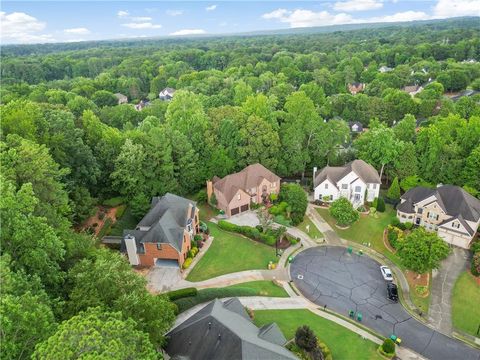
(166, 220)
(364, 171)
(224, 331)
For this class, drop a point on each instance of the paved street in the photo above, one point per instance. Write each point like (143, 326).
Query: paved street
(329, 275)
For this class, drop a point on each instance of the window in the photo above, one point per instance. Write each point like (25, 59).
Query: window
(159, 246)
(326, 186)
(272, 184)
(374, 186)
(239, 196)
(432, 216)
(420, 210)
(331, 197)
(456, 225)
(344, 186)
(358, 189)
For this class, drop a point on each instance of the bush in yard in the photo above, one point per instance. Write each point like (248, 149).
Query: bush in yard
(305, 338)
(202, 196)
(213, 200)
(326, 198)
(278, 209)
(297, 200)
(475, 268)
(227, 226)
(273, 197)
(342, 211)
(395, 222)
(408, 225)
(194, 251)
(422, 251)
(388, 346)
(259, 228)
(181, 293)
(380, 205)
(197, 237)
(375, 203)
(394, 190)
(280, 219)
(187, 263)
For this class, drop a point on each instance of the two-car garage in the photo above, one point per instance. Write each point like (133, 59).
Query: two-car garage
(239, 209)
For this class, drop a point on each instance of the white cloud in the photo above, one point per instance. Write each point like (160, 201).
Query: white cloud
(401, 16)
(452, 8)
(174, 12)
(141, 18)
(18, 27)
(77, 31)
(189, 32)
(357, 5)
(144, 25)
(211, 7)
(122, 13)
(307, 18)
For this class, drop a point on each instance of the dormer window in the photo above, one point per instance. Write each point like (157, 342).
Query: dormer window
(159, 246)
(374, 186)
(344, 186)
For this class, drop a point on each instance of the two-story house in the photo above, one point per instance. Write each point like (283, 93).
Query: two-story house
(164, 235)
(235, 192)
(448, 209)
(357, 181)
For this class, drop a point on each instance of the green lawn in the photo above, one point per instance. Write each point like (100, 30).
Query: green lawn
(127, 221)
(343, 343)
(230, 253)
(314, 233)
(263, 288)
(465, 304)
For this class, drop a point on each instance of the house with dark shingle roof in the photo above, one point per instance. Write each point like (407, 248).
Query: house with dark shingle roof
(166, 94)
(448, 209)
(357, 181)
(164, 235)
(223, 330)
(235, 192)
(355, 126)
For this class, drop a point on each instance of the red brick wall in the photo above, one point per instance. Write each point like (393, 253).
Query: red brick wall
(167, 252)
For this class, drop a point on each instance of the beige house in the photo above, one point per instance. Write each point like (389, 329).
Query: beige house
(448, 209)
(235, 192)
(122, 99)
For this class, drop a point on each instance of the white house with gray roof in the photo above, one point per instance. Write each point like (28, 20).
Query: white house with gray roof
(448, 209)
(223, 330)
(357, 181)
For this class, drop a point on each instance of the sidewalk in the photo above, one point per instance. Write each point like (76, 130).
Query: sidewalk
(331, 236)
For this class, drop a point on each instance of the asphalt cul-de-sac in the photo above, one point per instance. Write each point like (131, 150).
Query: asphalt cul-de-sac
(329, 275)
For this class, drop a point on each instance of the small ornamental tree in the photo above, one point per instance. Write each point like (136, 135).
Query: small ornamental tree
(422, 251)
(342, 211)
(305, 338)
(394, 190)
(388, 346)
(380, 204)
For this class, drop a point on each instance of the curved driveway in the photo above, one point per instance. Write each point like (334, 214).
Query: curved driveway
(329, 275)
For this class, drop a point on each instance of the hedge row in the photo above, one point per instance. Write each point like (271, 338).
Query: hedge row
(178, 294)
(206, 295)
(248, 231)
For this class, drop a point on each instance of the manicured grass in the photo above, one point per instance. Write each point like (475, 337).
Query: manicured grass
(343, 343)
(465, 304)
(314, 233)
(231, 253)
(127, 221)
(263, 288)
(368, 229)
(423, 303)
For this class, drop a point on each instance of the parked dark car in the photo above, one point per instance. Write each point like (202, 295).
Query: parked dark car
(392, 291)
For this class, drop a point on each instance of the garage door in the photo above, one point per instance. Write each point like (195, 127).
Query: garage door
(166, 263)
(244, 208)
(235, 211)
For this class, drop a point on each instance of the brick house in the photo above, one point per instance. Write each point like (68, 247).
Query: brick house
(449, 210)
(235, 192)
(164, 235)
(356, 87)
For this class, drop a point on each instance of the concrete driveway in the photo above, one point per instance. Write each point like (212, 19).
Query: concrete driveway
(248, 218)
(328, 275)
(163, 278)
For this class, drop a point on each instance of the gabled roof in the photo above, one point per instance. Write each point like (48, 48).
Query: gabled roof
(411, 88)
(224, 331)
(453, 200)
(462, 221)
(364, 171)
(167, 91)
(120, 96)
(248, 178)
(166, 220)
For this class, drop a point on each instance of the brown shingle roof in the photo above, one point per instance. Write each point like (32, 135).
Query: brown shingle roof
(364, 171)
(248, 178)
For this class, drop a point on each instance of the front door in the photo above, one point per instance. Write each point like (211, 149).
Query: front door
(356, 198)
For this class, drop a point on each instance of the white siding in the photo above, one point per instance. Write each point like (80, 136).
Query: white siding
(321, 191)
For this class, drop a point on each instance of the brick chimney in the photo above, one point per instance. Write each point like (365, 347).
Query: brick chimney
(209, 189)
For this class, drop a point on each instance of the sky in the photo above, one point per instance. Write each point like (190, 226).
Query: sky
(24, 22)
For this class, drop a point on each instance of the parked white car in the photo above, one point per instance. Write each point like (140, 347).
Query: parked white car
(386, 273)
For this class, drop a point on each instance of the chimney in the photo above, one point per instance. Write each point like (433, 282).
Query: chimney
(209, 189)
(314, 172)
(131, 246)
(190, 211)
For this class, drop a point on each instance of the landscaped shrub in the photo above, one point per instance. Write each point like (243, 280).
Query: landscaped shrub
(380, 205)
(388, 346)
(202, 196)
(197, 237)
(342, 211)
(280, 219)
(213, 200)
(187, 263)
(278, 209)
(394, 190)
(194, 250)
(375, 203)
(475, 268)
(362, 208)
(273, 197)
(327, 353)
(120, 211)
(115, 201)
(408, 225)
(269, 237)
(181, 293)
(393, 235)
(305, 338)
(395, 222)
(259, 228)
(227, 226)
